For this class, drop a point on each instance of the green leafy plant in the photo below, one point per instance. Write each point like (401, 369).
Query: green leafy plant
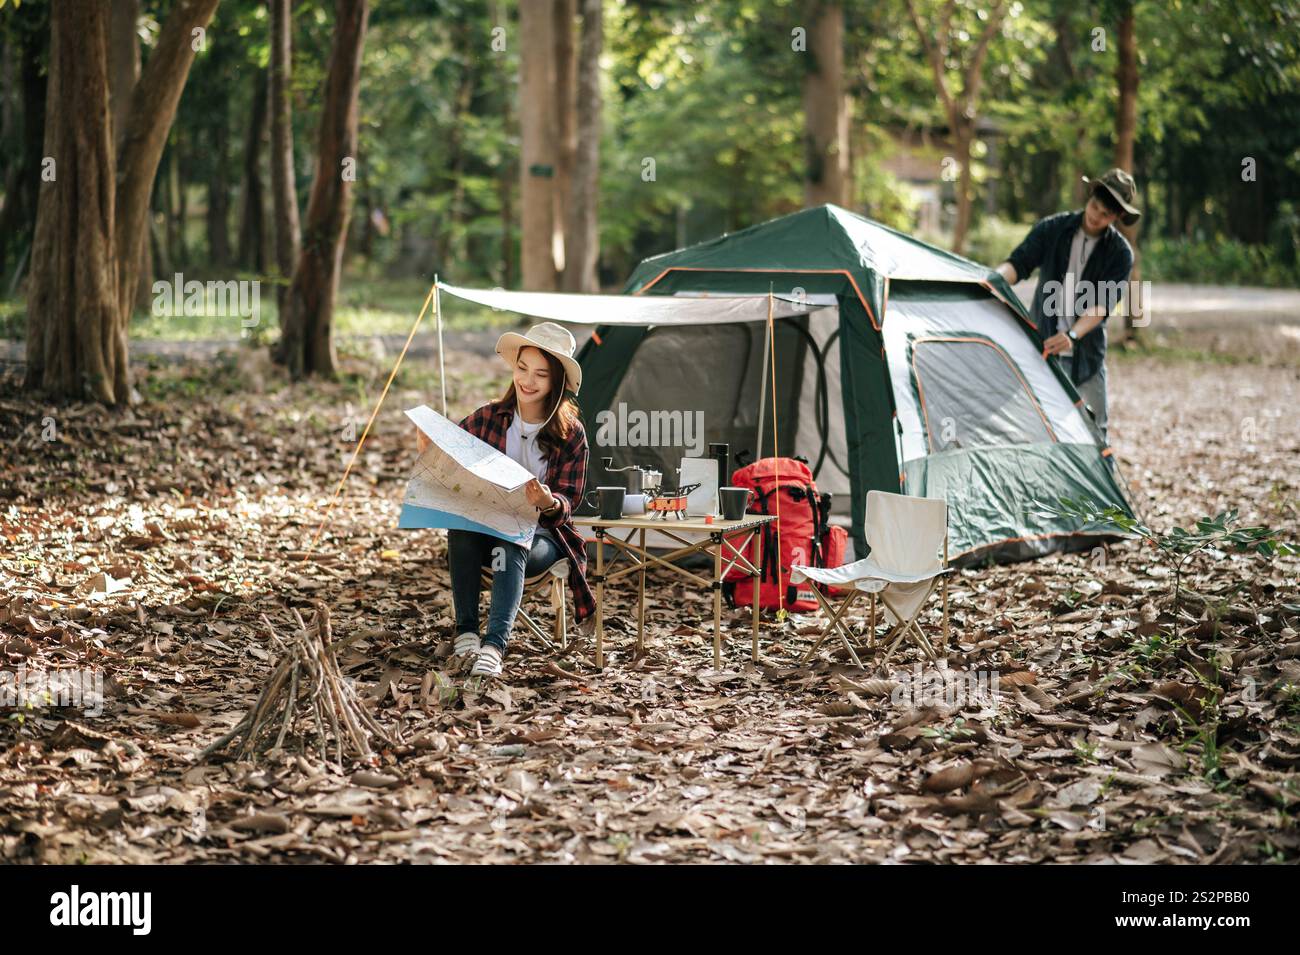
(1176, 548)
(1156, 650)
(1203, 734)
(957, 731)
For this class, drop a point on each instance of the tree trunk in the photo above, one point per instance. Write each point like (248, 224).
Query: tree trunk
(454, 179)
(1171, 190)
(1126, 77)
(175, 205)
(153, 107)
(566, 128)
(9, 111)
(288, 239)
(964, 135)
(962, 109)
(91, 217)
(76, 336)
(505, 196)
(582, 247)
(159, 257)
(538, 153)
(252, 203)
(306, 341)
(10, 119)
(506, 173)
(123, 64)
(367, 249)
(167, 219)
(123, 74)
(219, 189)
(146, 268)
(825, 108)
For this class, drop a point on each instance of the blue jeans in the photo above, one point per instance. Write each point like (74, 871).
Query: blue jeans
(468, 552)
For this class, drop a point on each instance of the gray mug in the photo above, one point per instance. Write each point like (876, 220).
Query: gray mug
(734, 501)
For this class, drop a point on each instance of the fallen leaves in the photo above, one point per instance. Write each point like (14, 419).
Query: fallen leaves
(946, 780)
(1104, 740)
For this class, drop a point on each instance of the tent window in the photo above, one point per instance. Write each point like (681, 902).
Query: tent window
(973, 396)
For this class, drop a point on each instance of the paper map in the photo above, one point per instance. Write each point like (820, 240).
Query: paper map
(462, 483)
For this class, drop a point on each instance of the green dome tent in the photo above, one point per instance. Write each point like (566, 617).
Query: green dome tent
(913, 370)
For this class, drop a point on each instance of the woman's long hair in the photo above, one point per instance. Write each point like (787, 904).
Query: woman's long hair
(560, 423)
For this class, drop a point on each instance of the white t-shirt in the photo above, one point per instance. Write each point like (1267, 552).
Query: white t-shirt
(521, 445)
(1081, 248)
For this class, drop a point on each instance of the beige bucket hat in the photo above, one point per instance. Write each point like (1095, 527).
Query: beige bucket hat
(551, 338)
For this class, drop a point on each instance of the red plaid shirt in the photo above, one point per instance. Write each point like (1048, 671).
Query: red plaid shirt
(566, 476)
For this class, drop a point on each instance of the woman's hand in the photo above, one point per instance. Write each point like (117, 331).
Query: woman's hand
(422, 441)
(539, 495)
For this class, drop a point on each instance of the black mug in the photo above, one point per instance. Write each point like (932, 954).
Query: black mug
(734, 501)
(610, 502)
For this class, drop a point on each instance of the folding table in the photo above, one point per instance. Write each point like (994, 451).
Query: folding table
(695, 537)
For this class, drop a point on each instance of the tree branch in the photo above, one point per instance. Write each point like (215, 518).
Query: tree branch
(974, 77)
(935, 56)
(153, 107)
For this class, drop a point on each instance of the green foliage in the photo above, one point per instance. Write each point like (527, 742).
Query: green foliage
(1221, 261)
(956, 732)
(713, 94)
(993, 238)
(13, 319)
(1218, 531)
(1176, 547)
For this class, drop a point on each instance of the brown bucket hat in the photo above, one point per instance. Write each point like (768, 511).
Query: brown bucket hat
(1121, 187)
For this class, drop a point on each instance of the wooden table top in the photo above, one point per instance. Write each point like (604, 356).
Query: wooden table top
(670, 523)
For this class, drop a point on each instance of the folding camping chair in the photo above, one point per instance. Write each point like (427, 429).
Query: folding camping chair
(549, 583)
(906, 536)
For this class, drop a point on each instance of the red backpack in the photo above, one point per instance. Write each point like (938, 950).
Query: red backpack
(807, 536)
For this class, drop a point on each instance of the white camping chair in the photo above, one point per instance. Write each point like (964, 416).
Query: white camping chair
(551, 583)
(908, 537)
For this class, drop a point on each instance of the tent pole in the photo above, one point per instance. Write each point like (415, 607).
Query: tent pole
(424, 310)
(762, 386)
(437, 317)
(776, 451)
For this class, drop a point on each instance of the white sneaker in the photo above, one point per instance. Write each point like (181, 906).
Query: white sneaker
(488, 662)
(467, 645)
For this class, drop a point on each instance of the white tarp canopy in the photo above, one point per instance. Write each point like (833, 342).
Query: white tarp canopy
(634, 309)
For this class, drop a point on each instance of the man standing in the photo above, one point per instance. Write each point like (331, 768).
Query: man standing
(1085, 264)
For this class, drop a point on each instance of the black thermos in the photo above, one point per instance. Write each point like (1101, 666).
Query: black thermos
(720, 452)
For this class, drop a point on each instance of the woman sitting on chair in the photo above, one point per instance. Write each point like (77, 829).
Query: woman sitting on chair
(537, 424)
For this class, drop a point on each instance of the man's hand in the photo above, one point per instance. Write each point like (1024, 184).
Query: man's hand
(1056, 344)
(1008, 272)
(422, 441)
(539, 495)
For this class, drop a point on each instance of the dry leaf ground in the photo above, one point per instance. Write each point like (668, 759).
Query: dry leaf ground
(147, 546)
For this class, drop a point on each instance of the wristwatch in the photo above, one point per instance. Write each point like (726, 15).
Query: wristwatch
(1071, 336)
